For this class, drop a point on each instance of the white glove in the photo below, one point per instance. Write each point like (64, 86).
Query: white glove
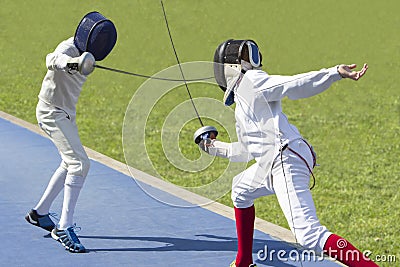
(205, 144)
(84, 64)
(214, 147)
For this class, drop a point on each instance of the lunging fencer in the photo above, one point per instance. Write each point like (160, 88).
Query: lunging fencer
(284, 160)
(67, 70)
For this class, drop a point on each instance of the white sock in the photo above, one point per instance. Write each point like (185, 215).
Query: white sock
(72, 188)
(56, 184)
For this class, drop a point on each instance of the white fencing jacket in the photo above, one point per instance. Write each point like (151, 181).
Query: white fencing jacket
(261, 126)
(60, 88)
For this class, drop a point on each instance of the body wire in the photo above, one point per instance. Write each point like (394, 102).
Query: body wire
(151, 77)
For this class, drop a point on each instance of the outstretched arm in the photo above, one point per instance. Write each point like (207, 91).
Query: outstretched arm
(347, 71)
(304, 85)
(276, 87)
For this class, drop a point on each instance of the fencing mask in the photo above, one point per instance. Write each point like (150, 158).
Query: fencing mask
(231, 54)
(95, 34)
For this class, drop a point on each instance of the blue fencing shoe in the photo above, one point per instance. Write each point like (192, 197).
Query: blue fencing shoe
(68, 239)
(42, 221)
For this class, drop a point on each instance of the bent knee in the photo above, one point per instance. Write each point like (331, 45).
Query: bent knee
(74, 181)
(79, 167)
(241, 201)
(313, 238)
(85, 166)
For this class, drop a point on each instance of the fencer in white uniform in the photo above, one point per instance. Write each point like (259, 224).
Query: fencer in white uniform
(283, 159)
(67, 70)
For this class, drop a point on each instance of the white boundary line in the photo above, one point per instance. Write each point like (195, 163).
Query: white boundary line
(271, 229)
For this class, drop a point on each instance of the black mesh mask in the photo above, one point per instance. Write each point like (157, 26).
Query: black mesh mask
(233, 52)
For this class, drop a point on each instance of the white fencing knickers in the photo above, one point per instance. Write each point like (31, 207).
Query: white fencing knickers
(62, 130)
(290, 184)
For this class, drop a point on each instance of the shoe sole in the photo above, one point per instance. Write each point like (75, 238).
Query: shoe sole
(29, 220)
(55, 237)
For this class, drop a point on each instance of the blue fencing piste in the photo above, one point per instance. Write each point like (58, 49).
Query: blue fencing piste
(120, 224)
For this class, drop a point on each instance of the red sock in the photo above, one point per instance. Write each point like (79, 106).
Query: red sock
(244, 228)
(343, 251)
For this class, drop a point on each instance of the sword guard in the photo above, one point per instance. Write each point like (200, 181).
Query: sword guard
(204, 133)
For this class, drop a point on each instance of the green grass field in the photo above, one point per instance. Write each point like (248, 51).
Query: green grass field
(354, 127)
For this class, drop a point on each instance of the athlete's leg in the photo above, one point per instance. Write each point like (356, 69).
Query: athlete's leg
(78, 163)
(63, 131)
(56, 184)
(291, 185)
(46, 116)
(244, 229)
(342, 250)
(247, 186)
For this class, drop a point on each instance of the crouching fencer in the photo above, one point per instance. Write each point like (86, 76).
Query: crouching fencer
(67, 70)
(283, 159)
